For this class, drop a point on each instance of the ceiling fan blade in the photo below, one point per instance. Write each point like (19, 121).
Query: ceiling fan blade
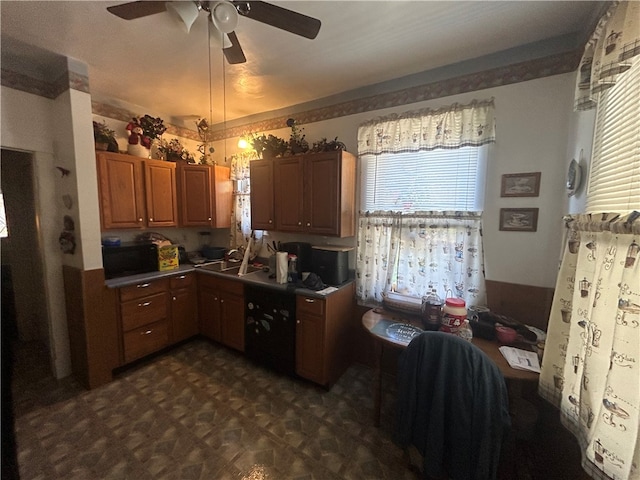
(279, 17)
(234, 53)
(133, 10)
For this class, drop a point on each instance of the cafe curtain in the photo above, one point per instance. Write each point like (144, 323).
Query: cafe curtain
(240, 230)
(591, 364)
(613, 46)
(423, 252)
(416, 254)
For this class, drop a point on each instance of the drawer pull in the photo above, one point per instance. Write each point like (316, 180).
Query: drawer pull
(145, 304)
(309, 300)
(182, 277)
(143, 285)
(148, 332)
(174, 298)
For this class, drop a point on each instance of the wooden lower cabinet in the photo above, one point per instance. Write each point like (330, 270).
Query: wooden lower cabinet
(221, 310)
(144, 318)
(184, 307)
(322, 335)
(156, 314)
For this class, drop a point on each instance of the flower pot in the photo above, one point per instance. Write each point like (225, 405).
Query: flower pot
(138, 150)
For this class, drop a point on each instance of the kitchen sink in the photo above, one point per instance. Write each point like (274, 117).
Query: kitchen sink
(228, 268)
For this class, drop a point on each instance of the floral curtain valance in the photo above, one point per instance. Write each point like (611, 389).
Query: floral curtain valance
(455, 126)
(613, 46)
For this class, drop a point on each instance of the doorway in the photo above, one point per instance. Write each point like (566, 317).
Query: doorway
(21, 255)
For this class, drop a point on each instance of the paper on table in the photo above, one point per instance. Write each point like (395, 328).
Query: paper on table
(521, 359)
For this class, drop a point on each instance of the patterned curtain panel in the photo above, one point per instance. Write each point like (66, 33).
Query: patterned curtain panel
(614, 44)
(451, 127)
(439, 252)
(591, 364)
(240, 231)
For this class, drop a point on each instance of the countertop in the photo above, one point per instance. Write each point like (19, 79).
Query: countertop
(258, 279)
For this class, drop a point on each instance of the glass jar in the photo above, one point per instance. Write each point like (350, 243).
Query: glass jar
(431, 310)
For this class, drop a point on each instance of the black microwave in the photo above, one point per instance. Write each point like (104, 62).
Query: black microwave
(129, 259)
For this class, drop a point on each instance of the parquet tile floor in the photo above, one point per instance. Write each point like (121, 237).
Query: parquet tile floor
(201, 411)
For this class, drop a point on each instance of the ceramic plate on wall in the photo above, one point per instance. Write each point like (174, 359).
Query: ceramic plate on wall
(574, 177)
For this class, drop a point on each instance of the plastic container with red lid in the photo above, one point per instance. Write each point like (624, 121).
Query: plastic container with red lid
(454, 314)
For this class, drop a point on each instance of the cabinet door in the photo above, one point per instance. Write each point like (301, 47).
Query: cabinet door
(232, 315)
(161, 196)
(310, 348)
(322, 194)
(195, 195)
(209, 313)
(262, 208)
(222, 196)
(184, 319)
(121, 191)
(288, 192)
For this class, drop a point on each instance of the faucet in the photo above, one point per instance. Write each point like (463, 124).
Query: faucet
(234, 253)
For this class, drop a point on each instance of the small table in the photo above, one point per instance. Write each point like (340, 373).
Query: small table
(375, 322)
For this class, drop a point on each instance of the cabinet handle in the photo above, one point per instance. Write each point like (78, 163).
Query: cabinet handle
(150, 219)
(140, 219)
(209, 219)
(222, 300)
(299, 223)
(270, 221)
(298, 321)
(145, 304)
(148, 332)
(143, 285)
(309, 300)
(308, 224)
(182, 277)
(174, 299)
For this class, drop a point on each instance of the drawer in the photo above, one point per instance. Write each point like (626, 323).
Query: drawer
(182, 281)
(145, 340)
(309, 305)
(143, 289)
(136, 313)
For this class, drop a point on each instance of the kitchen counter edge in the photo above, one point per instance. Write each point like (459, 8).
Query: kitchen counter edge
(258, 279)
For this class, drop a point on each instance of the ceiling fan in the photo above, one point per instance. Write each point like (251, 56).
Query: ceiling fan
(224, 17)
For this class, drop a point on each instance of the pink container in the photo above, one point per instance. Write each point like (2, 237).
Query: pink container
(506, 334)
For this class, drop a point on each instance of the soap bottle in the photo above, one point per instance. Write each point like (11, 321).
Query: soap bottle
(292, 271)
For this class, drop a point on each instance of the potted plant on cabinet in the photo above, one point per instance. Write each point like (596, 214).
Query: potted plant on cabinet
(142, 131)
(268, 146)
(103, 136)
(174, 151)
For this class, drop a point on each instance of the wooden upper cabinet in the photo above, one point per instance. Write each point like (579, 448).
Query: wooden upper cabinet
(262, 206)
(288, 184)
(205, 194)
(315, 193)
(160, 191)
(120, 183)
(136, 192)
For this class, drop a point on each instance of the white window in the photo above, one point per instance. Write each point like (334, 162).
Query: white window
(424, 181)
(614, 180)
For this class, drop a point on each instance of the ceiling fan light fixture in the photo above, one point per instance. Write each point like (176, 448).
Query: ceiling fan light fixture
(224, 16)
(184, 12)
(219, 40)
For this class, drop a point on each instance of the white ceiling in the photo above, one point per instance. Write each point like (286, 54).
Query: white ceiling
(153, 62)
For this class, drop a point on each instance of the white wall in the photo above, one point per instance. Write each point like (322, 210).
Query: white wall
(27, 124)
(536, 130)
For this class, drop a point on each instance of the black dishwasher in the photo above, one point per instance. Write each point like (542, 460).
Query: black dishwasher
(270, 328)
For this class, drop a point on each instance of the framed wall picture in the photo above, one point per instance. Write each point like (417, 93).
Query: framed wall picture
(519, 219)
(520, 185)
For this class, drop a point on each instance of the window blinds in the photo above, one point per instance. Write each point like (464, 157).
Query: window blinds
(422, 181)
(614, 181)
